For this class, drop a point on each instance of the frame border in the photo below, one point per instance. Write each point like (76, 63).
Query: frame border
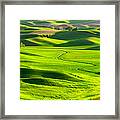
(62, 2)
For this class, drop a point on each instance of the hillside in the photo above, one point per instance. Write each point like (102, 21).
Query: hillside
(33, 35)
(59, 59)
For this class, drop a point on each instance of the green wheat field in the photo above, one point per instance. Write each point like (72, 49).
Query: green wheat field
(59, 59)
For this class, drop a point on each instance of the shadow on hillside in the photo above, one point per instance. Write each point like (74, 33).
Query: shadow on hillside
(24, 37)
(42, 77)
(71, 35)
(31, 54)
(75, 38)
(29, 43)
(29, 61)
(93, 48)
(33, 73)
(27, 36)
(39, 81)
(76, 43)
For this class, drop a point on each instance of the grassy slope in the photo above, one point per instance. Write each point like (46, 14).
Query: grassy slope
(64, 67)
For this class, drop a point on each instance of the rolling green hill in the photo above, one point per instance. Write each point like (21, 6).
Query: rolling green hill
(59, 64)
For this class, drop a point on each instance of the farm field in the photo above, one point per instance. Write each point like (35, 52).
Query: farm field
(59, 60)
